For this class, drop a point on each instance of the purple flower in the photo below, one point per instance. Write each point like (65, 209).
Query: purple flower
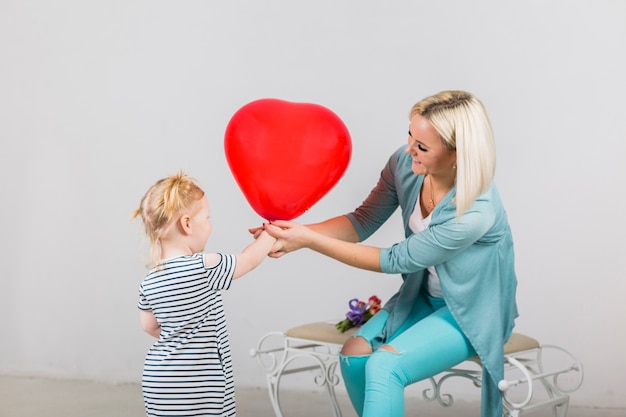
(357, 310)
(360, 312)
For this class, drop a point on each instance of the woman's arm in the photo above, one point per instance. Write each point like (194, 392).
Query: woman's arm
(445, 238)
(293, 235)
(339, 227)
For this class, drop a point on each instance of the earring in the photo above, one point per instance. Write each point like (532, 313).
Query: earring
(453, 166)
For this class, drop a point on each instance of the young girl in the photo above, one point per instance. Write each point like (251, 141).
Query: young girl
(188, 370)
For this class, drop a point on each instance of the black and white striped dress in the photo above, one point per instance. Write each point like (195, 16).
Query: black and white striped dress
(188, 370)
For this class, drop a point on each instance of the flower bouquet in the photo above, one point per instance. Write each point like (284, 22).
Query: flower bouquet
(360, 312)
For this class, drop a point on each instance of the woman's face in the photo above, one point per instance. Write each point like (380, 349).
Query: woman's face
(430, 154)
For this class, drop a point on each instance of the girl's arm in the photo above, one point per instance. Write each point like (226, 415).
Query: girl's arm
(149, 323)
(253, 254)
(294, 235)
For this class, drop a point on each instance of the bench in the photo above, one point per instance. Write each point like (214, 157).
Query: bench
(536, 376)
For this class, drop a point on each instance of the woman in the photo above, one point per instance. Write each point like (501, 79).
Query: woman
(458, 293)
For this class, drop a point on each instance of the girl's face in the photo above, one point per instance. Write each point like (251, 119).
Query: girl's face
(201, 226)
(430, 154)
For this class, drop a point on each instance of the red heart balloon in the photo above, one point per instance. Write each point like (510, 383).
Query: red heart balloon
(286, 156)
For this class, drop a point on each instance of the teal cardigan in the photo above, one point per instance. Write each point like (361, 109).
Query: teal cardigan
(473, 256)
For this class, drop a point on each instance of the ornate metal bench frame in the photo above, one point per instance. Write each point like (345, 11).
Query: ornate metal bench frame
(526, 371)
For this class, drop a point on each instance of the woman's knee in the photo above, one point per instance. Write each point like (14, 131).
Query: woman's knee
(389, 348)
(356, 346)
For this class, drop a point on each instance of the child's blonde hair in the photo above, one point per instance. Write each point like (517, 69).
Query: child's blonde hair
(161, 204)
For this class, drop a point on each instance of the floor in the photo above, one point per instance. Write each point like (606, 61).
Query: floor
(30, 397)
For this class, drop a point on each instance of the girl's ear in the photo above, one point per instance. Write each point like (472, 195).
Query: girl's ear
(185, 224)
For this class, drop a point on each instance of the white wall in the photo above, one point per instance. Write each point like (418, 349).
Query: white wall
(100, 99)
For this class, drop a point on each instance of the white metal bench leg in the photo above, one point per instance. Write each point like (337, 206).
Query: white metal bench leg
(294, 356)
(331, 382)
(531, 364)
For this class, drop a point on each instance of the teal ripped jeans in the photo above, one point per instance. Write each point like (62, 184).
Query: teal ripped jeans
(428, 343)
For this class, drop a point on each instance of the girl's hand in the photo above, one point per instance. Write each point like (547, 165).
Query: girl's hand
(256, 231)
(277, 249)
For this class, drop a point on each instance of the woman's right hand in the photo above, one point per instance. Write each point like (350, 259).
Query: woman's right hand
(291, 236)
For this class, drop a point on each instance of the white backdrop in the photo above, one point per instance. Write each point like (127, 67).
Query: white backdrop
(100, 99)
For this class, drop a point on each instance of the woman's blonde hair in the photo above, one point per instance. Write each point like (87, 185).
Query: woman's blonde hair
(462, 122)
(161, 204)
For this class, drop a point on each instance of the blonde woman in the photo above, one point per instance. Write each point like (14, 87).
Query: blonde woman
(188, 370)
(458, 293)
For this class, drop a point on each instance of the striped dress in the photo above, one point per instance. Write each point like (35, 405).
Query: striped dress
(188, 370)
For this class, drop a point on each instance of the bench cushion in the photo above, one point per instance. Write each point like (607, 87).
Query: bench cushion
(519, 342)
(320, 331)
